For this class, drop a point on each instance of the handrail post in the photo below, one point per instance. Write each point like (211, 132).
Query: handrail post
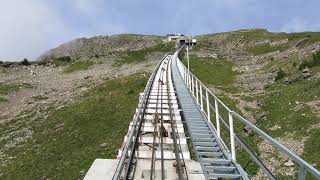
(189, 79)
(216, 106)
(184, 74)
(233, 147)
(302, 173)
(197, 92)
(201, 99)
(208, 106)
(192, 85)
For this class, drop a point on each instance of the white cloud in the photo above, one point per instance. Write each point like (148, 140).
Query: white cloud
(88, 7)
(299, 24)
(29, 28)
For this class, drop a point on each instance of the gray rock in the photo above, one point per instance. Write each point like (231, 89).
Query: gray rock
(58, 126)
(247, 130)
(87, 77)
(103, 145)
(289, 163)
(287, 82)
(260, 104)
(274, 128)
(261, 115)
(306, 75)
(306, 70)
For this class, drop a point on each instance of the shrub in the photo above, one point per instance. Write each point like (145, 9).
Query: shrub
(280, 74)
(63, 60)
(7, 64)
(25, 62)
(42, 63)
(311, 62)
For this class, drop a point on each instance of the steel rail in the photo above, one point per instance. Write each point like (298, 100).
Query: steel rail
(137, 123)
(178, 137)
(177, 155)
(124, 166)
(161, 133)
(155, 122)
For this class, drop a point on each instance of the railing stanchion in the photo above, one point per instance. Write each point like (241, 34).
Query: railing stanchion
(208, 105)
(192, 85)
(184, 75)
(201, 98)
(216, 106)
(197, 92)
(233, 147)
(302, 173)
(190, 82)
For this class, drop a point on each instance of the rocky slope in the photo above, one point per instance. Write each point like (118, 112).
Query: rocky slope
(102, 46)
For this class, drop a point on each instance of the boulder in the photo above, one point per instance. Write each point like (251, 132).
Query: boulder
(247, 130)
(306, 75)
(287, 82)
(289, 163)
(103, 145)
(261, 115)
(306, 70)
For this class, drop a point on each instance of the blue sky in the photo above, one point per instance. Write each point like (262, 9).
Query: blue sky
(28, 28)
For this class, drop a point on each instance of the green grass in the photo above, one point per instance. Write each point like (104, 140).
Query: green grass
(213, 71)
(266, 48)
(279, 107)
(312, 148)
(140, 55)
(311, 61)
(2, 99)
(78, 66)
(280, 74)
(211, 41)
(60, 61)
(101, 116)
(6, 88)
(39, 97)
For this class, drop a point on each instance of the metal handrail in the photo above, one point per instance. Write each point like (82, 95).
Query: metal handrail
(196, 87)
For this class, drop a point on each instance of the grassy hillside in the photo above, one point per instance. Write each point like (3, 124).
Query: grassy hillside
(65, 144)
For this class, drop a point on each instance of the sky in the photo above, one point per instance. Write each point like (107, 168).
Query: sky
(28, 28)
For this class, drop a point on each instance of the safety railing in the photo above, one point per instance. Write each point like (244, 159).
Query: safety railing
(211, 106)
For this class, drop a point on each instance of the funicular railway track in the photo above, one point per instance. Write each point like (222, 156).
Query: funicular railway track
(156, 146)
(153, 141)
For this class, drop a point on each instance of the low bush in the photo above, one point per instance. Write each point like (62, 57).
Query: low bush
(78, 66)
(25, 62)
(280, 74)
(8, 64)
(311, 62)
(62, 61)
